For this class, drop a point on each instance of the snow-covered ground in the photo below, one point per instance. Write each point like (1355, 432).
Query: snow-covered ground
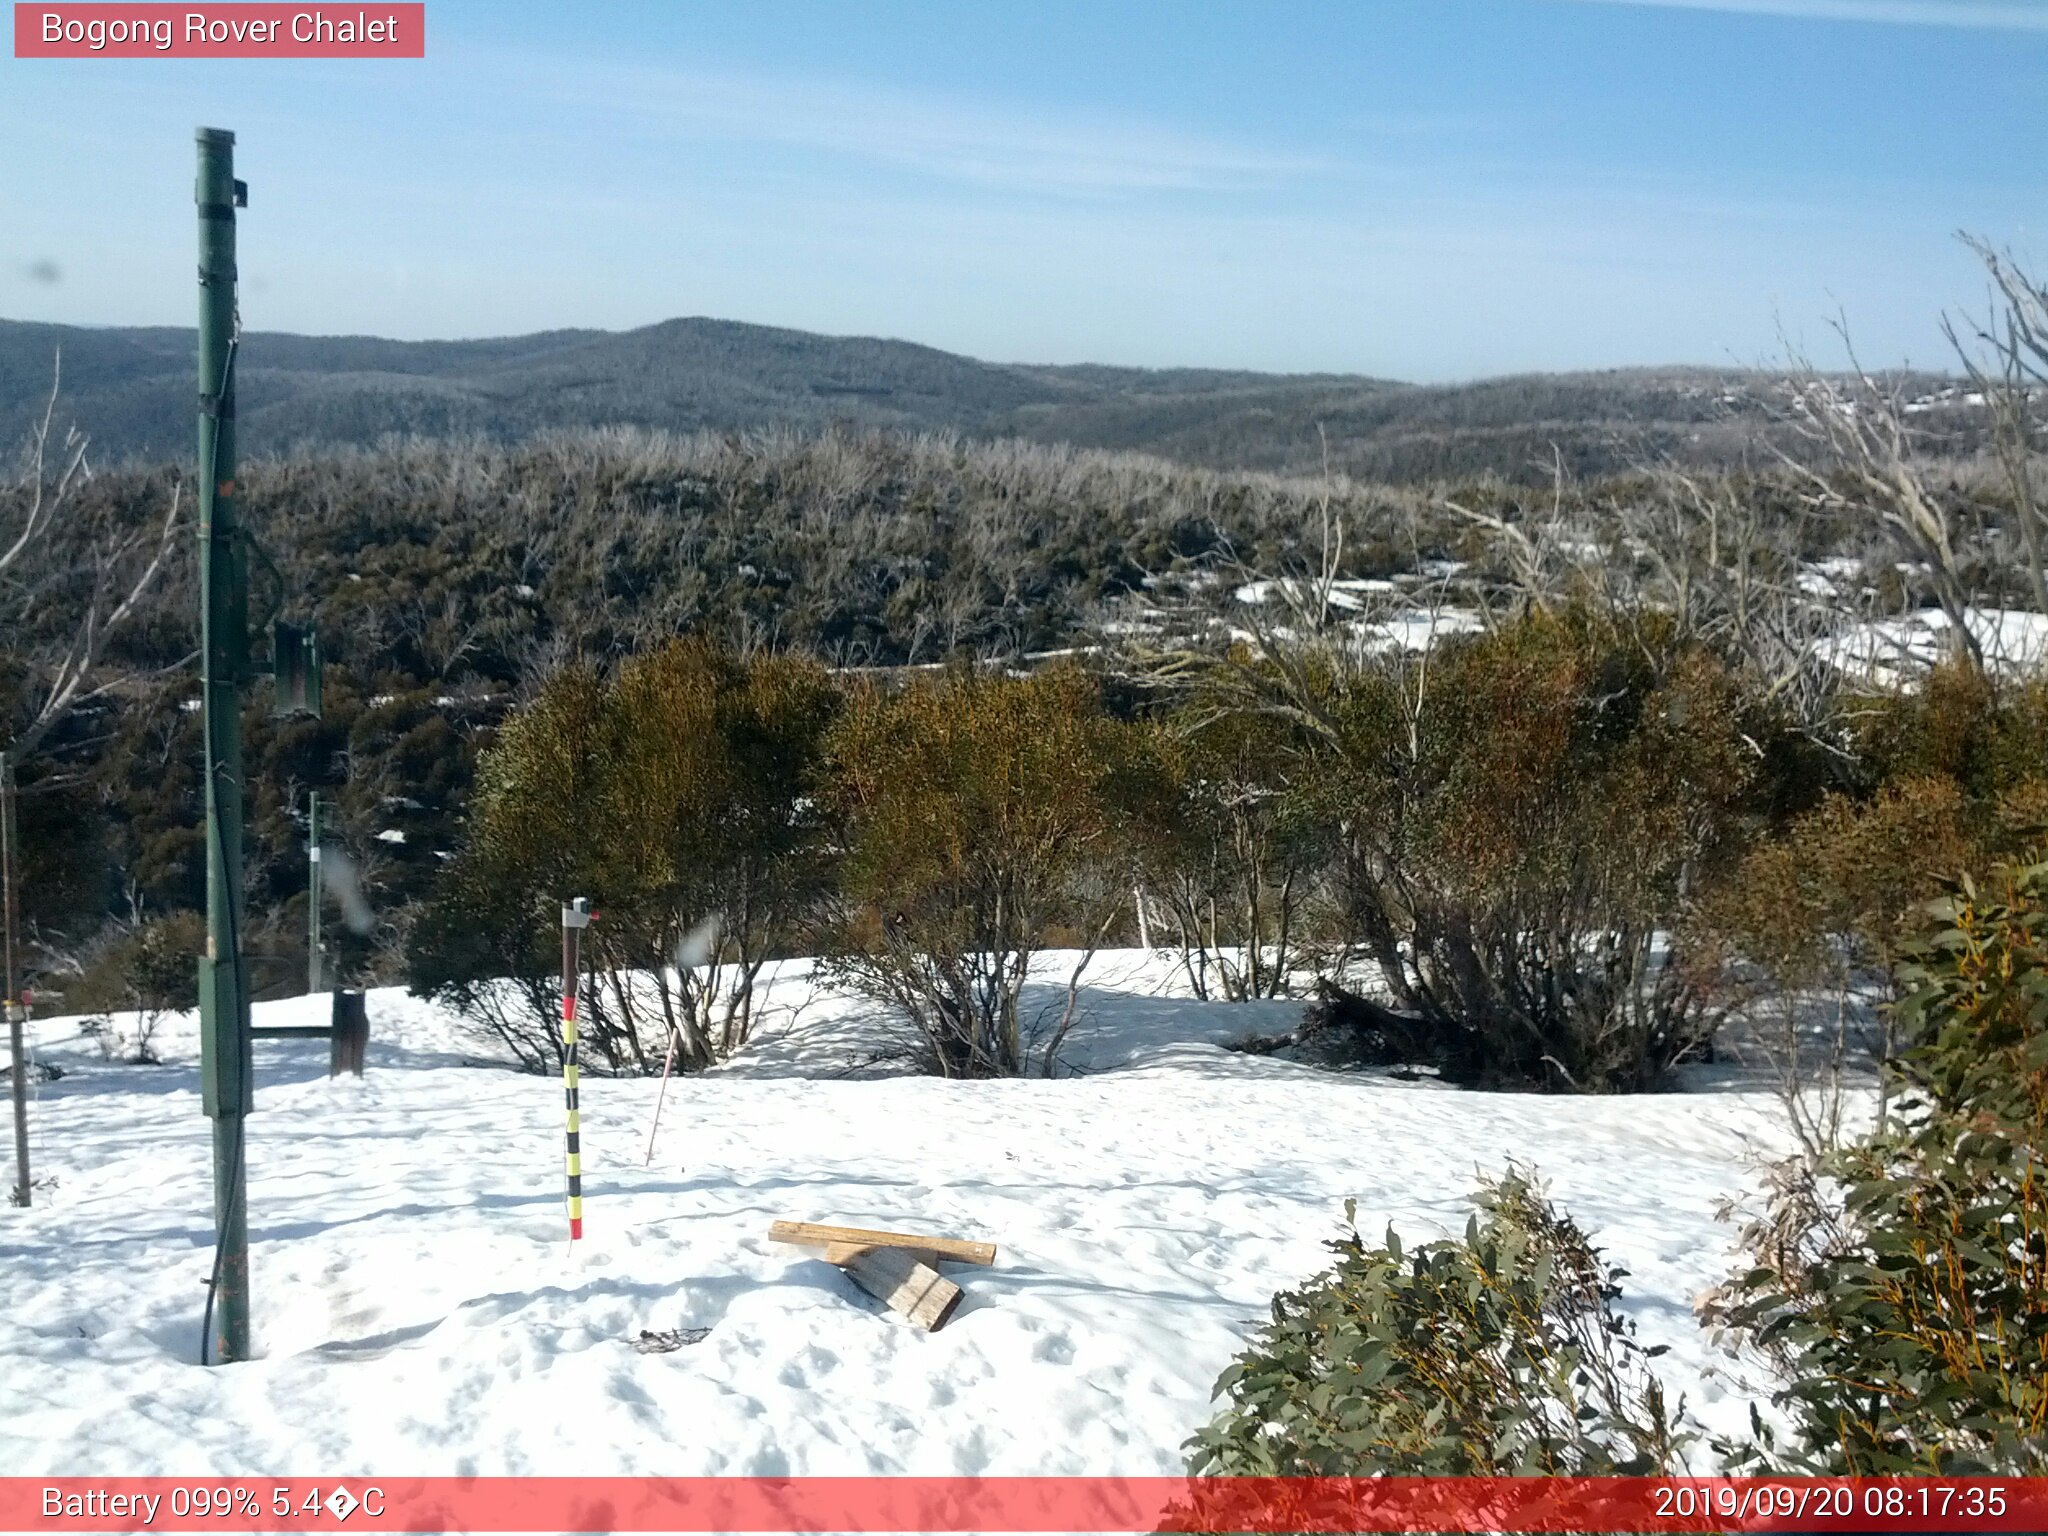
(418, 1310)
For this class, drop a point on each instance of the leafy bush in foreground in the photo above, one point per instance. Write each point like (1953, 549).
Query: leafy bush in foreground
(1498, 1354)
(1903, 1295)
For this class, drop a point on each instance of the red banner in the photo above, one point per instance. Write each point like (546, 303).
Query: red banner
(265, 31)
(1036, 1504)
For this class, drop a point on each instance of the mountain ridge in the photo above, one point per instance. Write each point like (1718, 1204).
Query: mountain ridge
(132, 389)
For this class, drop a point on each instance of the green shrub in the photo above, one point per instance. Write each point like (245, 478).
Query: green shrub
(1499, 1354)
(1987, 736)
(485, 942)
(988, 818)
(1842, 885)
(1524, 817)
(1954, 775)
(147, 970)
(1903, 1292)
(1232, 850)
(717, 842)
(681, 796)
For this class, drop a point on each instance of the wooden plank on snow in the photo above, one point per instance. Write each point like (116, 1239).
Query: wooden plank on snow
(815, 1235)
(845, 1253)
(919, 1292)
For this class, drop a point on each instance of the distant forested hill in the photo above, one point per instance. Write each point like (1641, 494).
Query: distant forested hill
(132, 389)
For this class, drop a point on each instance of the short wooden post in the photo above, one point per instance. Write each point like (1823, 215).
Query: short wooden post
(350, 1035)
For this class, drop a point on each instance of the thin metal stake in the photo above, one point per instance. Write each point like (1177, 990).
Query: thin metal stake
(17, 1014)
(313, 893)
(660, 1098)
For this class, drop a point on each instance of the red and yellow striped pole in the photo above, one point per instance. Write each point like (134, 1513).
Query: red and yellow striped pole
(576, 917)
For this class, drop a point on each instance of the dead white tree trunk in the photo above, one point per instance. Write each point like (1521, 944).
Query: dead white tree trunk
(1868, 465)
(2008, 366)
(60, 673)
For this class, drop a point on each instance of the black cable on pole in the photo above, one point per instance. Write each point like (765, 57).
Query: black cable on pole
(219, 1249)
(234, 957)
(227, 1217)
(235, 1196)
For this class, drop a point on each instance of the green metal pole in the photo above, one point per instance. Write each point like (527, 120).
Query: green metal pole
(313, 955)
(224, 1040)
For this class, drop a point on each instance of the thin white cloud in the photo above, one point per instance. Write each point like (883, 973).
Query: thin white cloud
(1060, 152)
(1997, 15)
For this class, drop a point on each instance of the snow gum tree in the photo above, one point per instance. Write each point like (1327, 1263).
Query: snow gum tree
(715, 836)
(1529, 821)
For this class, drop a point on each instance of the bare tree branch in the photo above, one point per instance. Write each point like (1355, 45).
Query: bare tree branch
(64, 673)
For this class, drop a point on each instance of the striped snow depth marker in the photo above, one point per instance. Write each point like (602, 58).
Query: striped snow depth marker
(575, 1120)
(576, 917)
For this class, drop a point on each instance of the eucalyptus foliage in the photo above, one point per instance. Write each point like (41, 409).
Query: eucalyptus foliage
(1500, 1353)
(1906, 1303)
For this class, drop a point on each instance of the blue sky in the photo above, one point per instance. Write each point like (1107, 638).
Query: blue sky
(1424, 189)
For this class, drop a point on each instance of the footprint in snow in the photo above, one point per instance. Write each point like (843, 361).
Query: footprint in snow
(1055, 1348)
(812, 1362)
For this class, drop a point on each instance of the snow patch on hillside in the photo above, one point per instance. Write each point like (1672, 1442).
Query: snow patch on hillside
(1893, 653)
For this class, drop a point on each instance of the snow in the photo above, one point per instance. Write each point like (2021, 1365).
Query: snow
(1890, 653)
(1345, 592)
(1416, 630)
(419, 1310)
(1826, 577)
